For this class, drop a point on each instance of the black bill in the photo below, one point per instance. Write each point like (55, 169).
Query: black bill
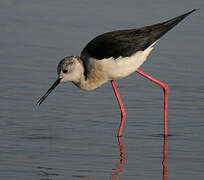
(48, 92)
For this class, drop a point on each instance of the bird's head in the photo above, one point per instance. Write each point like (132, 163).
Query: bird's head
(69, 69)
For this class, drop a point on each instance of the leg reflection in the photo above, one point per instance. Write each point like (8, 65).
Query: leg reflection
(119, 168)
(164, 159)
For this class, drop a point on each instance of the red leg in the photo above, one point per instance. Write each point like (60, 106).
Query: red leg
(165, 89)
(122, 109)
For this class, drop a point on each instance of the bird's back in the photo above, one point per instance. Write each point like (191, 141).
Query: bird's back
(127, 42)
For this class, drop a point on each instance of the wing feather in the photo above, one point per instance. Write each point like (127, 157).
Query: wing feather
(127, 42)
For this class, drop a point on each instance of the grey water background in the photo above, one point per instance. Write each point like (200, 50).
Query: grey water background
(72, 135)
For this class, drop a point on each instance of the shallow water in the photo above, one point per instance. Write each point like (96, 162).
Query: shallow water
(73, 134)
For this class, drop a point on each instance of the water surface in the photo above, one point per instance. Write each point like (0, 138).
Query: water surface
(73, 134)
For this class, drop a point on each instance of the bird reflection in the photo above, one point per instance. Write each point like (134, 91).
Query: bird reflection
(164, 159)
(119, 167)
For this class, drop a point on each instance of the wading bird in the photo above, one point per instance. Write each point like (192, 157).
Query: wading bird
(111, 56)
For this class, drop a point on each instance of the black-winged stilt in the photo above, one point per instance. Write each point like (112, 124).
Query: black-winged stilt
(112, 56)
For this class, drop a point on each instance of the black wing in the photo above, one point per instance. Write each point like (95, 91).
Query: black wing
(127, 42)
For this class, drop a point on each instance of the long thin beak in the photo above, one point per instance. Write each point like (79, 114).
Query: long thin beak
(49, 91)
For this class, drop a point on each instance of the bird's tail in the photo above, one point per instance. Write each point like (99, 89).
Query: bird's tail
(172, 22)
(156, 31)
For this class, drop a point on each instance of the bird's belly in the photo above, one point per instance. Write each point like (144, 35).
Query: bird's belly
(124, 66)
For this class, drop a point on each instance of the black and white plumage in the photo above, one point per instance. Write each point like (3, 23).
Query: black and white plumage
(111, 56)
(126, 42)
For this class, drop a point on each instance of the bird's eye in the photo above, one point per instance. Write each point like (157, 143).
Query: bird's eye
(64, 71)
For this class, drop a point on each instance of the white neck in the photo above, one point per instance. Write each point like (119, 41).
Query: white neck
(94, 78)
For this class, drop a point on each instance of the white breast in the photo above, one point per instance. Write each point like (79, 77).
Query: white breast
(122, 67)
